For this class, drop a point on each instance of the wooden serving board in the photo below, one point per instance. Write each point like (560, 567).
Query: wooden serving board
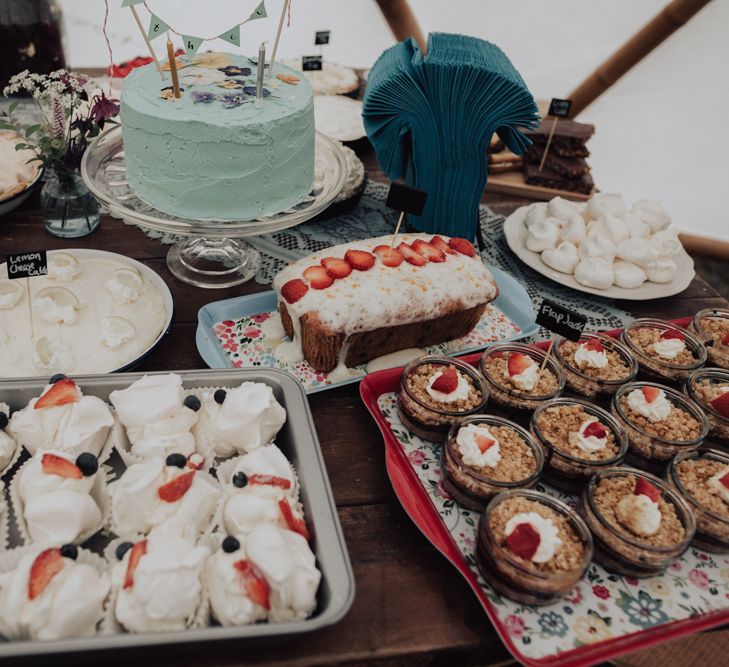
(512, 183)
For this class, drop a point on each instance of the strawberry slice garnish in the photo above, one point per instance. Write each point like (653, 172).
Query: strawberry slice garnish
(61, 393)
(484, 442)
(447, 381)
(293, 290)
(518, 363)
(724, 480)
(270, 480)
(254, 584)
(336, 267)
(594, 345)
(721, 404)
(135, 555)
(360, 260)
(442, 245)
(669, 334)
(295, 523)
(644, 488)
(725, 339)
(389, 256)
(318, 277)
(47, 564)
(412, 256)
(463, 246)
(430, 252)
(523, 540)
(651, 393)
(173, 490)
(57, 465)
(595, 430)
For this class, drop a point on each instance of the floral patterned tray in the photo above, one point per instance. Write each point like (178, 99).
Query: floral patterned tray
(604, 616)
(236, 333)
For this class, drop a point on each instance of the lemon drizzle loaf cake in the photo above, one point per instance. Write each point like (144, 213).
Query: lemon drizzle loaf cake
(354, 302)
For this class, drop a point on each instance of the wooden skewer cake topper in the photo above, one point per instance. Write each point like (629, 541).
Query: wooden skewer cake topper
(284, 9)
(27, 265)
(557, 109)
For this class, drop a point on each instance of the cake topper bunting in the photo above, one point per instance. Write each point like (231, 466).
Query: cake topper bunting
(130, 4)
(557, 109)
(157, 27)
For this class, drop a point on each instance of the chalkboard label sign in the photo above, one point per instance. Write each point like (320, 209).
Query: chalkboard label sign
(321, 37)
(311, 63)
(560, 108)
(561, 320)
(404, 198)
(27, 264)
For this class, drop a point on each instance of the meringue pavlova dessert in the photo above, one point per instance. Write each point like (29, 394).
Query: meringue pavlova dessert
(8, 446)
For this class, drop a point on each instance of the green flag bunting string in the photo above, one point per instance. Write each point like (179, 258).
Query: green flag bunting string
(156, 27)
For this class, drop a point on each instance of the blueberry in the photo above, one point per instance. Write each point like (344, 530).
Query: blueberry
(240, 479)
(88, 463)
(122, 549)
(192, 402)
(230, 544)
(177, 460)
(56, 378)
(3, 420)
(69, 551)
(219, 396)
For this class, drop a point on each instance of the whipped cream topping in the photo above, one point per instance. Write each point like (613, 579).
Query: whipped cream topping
(527, 379)
(467, 441)
(63, 267)
(71, 604)
(116, 331)
(460, 393)
(270, 461)
(245, 509)
(716, 487)
(51, 356)
(655, 411)
(10, 295)
(587, 358)
(125, 286)
(54, 310)
(549, 540)
(669, 348)
(639, 514)
(589, 443)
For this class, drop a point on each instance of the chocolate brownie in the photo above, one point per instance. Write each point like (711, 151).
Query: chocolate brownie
(551, 179)
(568, 167)
(569, 137)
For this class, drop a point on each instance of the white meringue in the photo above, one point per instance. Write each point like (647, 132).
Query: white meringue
(605, 202)
(652, 213)
(628, 275)
(597, 246)
(562, 209)
(595, 272)
(543, 235)
(268, 461)
(536, 212)
(636, 227)
(661, 271)
(574, 229)
(637, 251)
(563, 258)
(611, 227)
(245, 510)
(666, 242)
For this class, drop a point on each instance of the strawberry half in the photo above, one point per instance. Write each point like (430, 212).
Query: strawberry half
(135, 555)
(411, 256)
(254, 584)
(391, 257)
(724, 481)
(721, 404)
(295, 523)
(593, 344)
(447, 381)
(725, 339)
(644, 488)
(595, 430)
(442, 245)
(463, 246)
(63, 392)
(430, 252)
(360, 260)
(293, 290)
(336, 267)
(518, 363)
(318, 277)
(176, 488)
(270, 480)
(484, 442)
(47, 564)
(57, 465)
(669, 334)
(523, 541)
(651, 393)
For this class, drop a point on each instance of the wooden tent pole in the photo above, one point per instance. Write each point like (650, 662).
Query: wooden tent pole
(661, 26)
(402, 21)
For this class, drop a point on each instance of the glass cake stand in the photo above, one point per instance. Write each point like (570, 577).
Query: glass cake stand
(208, 253)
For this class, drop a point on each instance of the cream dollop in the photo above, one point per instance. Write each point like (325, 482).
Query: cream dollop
(460, 393)
(639, 514)
(669, 348)
(125, 285)
(63, 267)
(54, 312)
(268, 461)
(655, 411)
(589, 443)
(527, 379)
(467, 441)
(549, 540)
(715, 485)
(245, 510)
(587, 358)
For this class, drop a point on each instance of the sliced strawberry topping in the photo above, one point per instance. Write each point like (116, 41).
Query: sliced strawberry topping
(412, 256)
(721, 404)
(523, 540)
(518, 363)
(176, 488)
(336, 267)
(440, 243)
(644, 488)
(360, 260)
(318, 277)
(668, 334)
(293, 290)
(47, 564)
(135, 555)
(725, 339)
(254, 584)
(463, 246)
(389, 256)
(270, 480)
(447, 381)
(596, 430)
(63, 392)
(484, 442)
(724, 481)
(430, 252)
(295, 523)
(651, 393)
(57, 465)
(593, 344)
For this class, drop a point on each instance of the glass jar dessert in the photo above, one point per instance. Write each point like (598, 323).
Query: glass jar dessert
(664, 350)
(660, 422)
(512, 371)
(485, 455)
(702, 478)
(435, 392)
(640, 525)
(596, 364)
(709, 388)
(531, 547)
(711, 325)
(578, 439)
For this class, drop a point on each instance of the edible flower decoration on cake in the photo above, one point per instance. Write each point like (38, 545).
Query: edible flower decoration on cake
(201, 76)
(719, 484)
(591, 354)
(168, 93)
(478, 446)
(639, 511)
(231, 84)
(532, 537)
(288, 78)
(234, 70)
(650, 402)
(592, 436)
(522, 371)
(203, 96)
(670, 344)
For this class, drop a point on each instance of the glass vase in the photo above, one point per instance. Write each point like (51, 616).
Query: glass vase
(69, 209)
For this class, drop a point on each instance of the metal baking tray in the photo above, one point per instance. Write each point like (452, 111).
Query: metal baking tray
(299, 442)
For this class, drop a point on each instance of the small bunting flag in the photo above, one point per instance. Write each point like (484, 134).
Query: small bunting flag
(192, 44)
(156, 27)
(232, 35)
(259, 12)
(129, 3)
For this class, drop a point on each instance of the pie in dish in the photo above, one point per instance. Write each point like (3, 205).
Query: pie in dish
(16, 173)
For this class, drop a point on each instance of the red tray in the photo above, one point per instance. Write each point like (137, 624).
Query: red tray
(420, 507)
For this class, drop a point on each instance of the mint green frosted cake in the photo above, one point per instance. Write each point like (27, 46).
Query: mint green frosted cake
(214, 155)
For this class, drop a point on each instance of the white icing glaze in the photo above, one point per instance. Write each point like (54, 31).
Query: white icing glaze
(394, 359)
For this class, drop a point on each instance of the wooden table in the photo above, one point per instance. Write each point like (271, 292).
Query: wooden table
(411, 606)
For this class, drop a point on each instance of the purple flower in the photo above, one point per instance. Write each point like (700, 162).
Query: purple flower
(103, 108)
(234, 70)
(251, 90)
(202, 96)
(232, 100)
